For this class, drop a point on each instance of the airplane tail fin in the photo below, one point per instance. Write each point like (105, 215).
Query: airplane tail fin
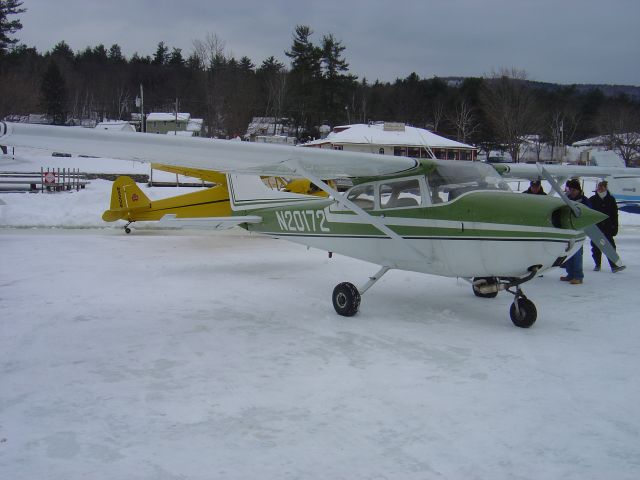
(125, 196)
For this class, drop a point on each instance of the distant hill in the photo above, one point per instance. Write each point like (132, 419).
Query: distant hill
(608, 90)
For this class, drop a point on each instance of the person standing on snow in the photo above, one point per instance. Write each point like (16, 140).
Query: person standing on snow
(573, 265)
(604, 202)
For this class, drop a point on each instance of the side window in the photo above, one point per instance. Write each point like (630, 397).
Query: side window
(362, 195)
(400, 194)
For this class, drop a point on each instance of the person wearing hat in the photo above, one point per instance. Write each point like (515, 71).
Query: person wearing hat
(573, 265)
(535, 188)
(604, 202)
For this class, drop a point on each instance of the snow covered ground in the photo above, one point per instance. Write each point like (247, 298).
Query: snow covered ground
(176, 354)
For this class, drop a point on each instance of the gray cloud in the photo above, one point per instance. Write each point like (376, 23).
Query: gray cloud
(564, 41)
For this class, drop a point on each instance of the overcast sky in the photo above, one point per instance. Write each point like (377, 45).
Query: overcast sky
(562, 41)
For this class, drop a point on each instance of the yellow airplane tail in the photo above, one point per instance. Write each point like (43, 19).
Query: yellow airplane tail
(125, 197)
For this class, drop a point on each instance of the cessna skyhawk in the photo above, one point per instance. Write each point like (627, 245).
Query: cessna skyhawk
(454, 219)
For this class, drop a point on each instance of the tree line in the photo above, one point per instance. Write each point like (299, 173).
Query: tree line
(316, 88)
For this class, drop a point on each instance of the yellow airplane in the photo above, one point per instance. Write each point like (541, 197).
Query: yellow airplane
(129, 203)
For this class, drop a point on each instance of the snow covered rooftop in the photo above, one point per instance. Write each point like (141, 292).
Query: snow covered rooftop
(604, 139)
(181, 133)
(195, 124)
(114, 125)
(167, 117)
(376, 134)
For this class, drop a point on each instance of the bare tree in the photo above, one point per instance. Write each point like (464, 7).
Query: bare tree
(210, 53)
(464, 120)
(437, 113)
(509, 105)
(275, 87)
(620, 124)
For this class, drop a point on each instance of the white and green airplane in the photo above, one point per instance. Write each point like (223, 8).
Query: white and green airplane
(448, 218)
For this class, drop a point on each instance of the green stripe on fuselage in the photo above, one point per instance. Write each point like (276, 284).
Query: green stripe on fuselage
(500, 215)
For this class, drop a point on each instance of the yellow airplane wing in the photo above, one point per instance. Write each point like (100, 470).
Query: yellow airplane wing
(207, 175)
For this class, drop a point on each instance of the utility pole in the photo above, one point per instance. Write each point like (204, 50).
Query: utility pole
(142, 122)
(175, 132)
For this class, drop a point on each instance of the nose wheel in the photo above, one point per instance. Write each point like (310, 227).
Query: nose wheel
(523, 311)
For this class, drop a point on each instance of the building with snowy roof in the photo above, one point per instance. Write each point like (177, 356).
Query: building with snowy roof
(194, 125)
(394, 139)
(267, 126)
(162, 123)
(115, 126)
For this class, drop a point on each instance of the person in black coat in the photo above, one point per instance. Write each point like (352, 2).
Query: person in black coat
(604, 202)
(535, 188)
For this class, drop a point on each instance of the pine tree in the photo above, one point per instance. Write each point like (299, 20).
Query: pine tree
(115, 54)
(62, 50)
(9, 27)
(161, 56)
(306, 76)
(336, 83)
(175, 59)
(54, 94)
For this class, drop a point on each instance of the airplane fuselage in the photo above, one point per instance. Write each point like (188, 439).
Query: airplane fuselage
(460, 238)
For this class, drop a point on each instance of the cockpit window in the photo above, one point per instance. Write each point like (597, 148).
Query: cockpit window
(400, 194)
(449, 181)
(362, 196)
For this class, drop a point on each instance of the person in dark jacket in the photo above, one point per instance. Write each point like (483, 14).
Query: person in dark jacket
(573, 265)
(604, 202)
(535, 188)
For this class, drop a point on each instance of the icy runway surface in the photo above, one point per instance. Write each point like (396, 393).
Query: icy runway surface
(193, 355)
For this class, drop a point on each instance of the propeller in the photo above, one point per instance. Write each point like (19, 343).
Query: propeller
(592, 231)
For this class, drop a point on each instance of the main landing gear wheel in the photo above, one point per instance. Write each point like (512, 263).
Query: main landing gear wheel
(346, 299)
(127, 230)
(523, 313)
(488, 281)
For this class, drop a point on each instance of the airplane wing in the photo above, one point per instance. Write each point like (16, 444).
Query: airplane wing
(203, 153)
(206, 175)
(530, 171)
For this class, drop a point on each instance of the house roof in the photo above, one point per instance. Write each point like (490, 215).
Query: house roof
(195, 124)
(167, 117)
(115, 125)
(376, 134)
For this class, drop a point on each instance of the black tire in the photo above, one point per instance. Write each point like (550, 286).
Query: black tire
(489, 280)
(528, 313)
(127, 230)
(346, 299)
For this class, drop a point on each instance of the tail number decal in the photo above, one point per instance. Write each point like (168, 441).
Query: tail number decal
(302, 221)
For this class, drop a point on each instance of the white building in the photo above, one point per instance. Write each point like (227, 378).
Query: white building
(394, 139)
(115, 126)
(159, 122)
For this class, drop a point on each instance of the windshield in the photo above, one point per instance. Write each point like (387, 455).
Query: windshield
(452, 179)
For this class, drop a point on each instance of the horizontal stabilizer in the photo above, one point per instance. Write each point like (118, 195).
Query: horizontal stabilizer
(208, 223)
